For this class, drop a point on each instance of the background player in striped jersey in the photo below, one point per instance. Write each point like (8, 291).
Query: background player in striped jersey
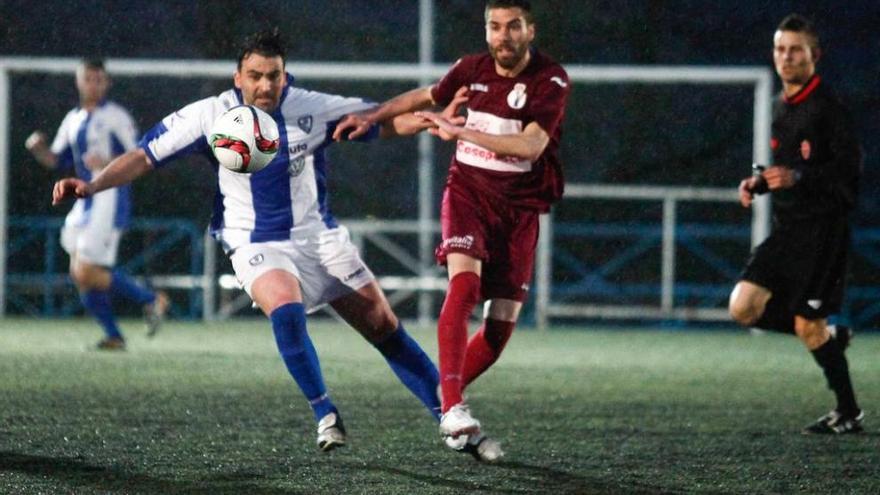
(275, 225)
(505, 172)
(89, 137)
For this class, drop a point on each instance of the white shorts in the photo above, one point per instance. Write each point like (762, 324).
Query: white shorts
(89, 235)
(326, 264)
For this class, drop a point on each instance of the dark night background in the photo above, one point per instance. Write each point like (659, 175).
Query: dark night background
(621, 134)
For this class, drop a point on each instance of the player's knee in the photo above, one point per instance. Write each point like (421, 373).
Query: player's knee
(77, 276)
(812, 333)
(497, 333)
(86, 276)
(377, 323)
(747, 302)
(503, 309)
(743, 312)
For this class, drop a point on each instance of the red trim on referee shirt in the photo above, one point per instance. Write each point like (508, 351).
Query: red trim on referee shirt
(804, 92)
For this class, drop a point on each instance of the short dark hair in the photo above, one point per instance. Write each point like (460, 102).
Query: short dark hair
(268, 43)
(93, 63)
(523, 5)
(800, 24)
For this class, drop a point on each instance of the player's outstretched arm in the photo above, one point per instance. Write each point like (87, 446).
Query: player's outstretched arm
(122, 170)
(38, 144)
(528, 144)
(357, 124)
(408, 123)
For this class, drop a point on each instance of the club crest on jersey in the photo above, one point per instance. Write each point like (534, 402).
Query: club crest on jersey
(516, 99)
(806, 149)
(296, 166)
(256, 260)
(305, 123)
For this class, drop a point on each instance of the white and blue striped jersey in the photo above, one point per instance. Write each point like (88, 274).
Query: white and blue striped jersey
(107, 131)
(286, 199)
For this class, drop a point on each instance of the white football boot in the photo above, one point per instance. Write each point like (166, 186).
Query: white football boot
(458, 421)
(331, 432)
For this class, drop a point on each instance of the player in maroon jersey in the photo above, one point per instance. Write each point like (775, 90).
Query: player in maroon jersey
(505, 172)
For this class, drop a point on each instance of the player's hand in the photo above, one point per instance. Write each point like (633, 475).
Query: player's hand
(444, 129)
(451, 112)
(70, 187)
(779, 177)
(746, 186)
(352, 126)
(36, 141)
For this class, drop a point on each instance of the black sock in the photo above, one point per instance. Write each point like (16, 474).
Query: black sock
(833, 362)
(777, 317)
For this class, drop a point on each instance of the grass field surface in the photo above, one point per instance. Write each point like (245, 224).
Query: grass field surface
(211, 409)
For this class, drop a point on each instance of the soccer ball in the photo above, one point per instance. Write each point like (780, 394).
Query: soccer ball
(244, 139)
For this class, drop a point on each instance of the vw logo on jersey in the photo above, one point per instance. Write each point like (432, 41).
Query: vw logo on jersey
(296, 166)
(517, 97)
(305, 123)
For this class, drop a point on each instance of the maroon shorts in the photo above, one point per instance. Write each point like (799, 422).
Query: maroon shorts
(503, 238)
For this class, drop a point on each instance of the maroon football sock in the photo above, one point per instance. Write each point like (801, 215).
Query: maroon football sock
(485, 347)
(452, 333)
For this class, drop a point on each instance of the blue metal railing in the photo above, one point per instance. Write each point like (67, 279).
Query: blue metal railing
(576, 280)
(30, 234)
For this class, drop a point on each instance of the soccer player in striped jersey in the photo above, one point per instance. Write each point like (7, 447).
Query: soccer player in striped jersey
(286, 248)
(505, 172)
(89, 137)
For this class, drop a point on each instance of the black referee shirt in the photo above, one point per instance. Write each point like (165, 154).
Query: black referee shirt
(813, 133)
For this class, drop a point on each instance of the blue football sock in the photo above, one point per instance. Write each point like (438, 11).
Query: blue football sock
(97, 302)
(298, 353)
(413, 367)
(122, 285)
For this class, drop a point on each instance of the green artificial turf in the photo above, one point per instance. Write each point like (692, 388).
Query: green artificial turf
(211, 409)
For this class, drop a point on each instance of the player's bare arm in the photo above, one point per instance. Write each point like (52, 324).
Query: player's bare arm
(38, 144)
(408, 123)
(357, 124)
(528, 144)
(122, 170)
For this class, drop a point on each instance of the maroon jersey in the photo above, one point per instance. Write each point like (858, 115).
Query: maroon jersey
(506, 105)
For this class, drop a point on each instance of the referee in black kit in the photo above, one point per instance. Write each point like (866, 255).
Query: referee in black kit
(795, 279)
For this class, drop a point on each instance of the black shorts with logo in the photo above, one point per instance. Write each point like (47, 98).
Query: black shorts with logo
(804, 262)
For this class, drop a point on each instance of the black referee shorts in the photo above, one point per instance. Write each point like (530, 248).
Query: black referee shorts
(804, 263)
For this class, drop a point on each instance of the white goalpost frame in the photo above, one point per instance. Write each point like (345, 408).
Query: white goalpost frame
(762, 80)
(422, 73)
